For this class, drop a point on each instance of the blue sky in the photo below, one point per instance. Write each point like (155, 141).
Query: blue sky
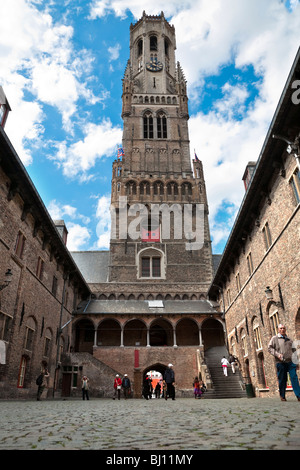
(62, 65)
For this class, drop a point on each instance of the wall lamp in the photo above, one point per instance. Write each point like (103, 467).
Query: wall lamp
(292, 148)
(7, 280)
(269, 295)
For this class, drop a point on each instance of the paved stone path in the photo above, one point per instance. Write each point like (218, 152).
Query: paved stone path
(136, 424)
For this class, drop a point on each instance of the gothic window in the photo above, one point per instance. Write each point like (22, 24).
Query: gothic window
(148, 126)
(29, 334)
(172, 189)
(151, 263)
(161, 126)
(130, 188)
(166, 47)
(153, 43)
(144, 188)
(186, 189)
(158, 188)
(274, 322)
(140, 47)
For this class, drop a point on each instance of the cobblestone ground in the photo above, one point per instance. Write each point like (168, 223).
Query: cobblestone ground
(137, 424)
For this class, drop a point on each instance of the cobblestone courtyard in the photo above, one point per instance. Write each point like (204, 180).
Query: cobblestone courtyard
(137, 424)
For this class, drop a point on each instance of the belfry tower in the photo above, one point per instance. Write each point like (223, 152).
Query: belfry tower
(149, 305)
(153, 183)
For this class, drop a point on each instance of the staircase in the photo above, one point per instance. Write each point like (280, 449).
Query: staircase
(224, 387)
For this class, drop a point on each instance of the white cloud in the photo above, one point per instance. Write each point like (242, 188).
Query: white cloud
(38, 56)
(114, 52)
(104, 222)
(100, 8)
(59, 211)
(78, 237)
(99, 141)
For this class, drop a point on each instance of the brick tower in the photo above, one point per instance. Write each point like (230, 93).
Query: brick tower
(149, 305)
(160, 230)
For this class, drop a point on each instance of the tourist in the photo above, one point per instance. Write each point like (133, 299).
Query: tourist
(225, 365)
(42, 383)
(233, 362)
(197, 389)
(281, 347)
(85, 388)
(126, 386)
(117, 387)
(169, 377)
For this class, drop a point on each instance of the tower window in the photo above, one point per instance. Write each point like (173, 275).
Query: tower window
(153, 43)
(161, 126)
(140, 47)
(148, 126)
(151, 266)
(166, 47)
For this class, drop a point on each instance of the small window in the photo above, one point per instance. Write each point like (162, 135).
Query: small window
(54, 285)
(5, 326)
(257, 336)
(29, 339)
(228, 297)
(22, 372)
(295, 184)
(238, 282)
(267, 236)
(20, 243)
(40, 268)
(250, 264)
(244, 343)
(274, 320)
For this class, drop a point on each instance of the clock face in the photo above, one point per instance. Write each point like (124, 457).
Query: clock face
(154, 65)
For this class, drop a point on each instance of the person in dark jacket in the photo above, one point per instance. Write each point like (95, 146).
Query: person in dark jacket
(126, 385)
(169, 378)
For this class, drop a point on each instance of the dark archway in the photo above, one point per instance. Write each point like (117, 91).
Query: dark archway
(156, 372)
(187, 333)
(161, 333)
(135, 333)
(84, 336)
(212, 333)
(109, 333)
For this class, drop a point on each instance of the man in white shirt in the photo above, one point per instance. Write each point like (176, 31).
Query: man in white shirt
(225, 365)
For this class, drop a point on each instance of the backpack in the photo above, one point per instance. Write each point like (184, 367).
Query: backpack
(39, 380)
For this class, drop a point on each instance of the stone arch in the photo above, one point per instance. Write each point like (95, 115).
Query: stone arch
(157, 366)
(161, 333)
(109, 333)
(187, 332)
(135, 333)
(212, 333)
